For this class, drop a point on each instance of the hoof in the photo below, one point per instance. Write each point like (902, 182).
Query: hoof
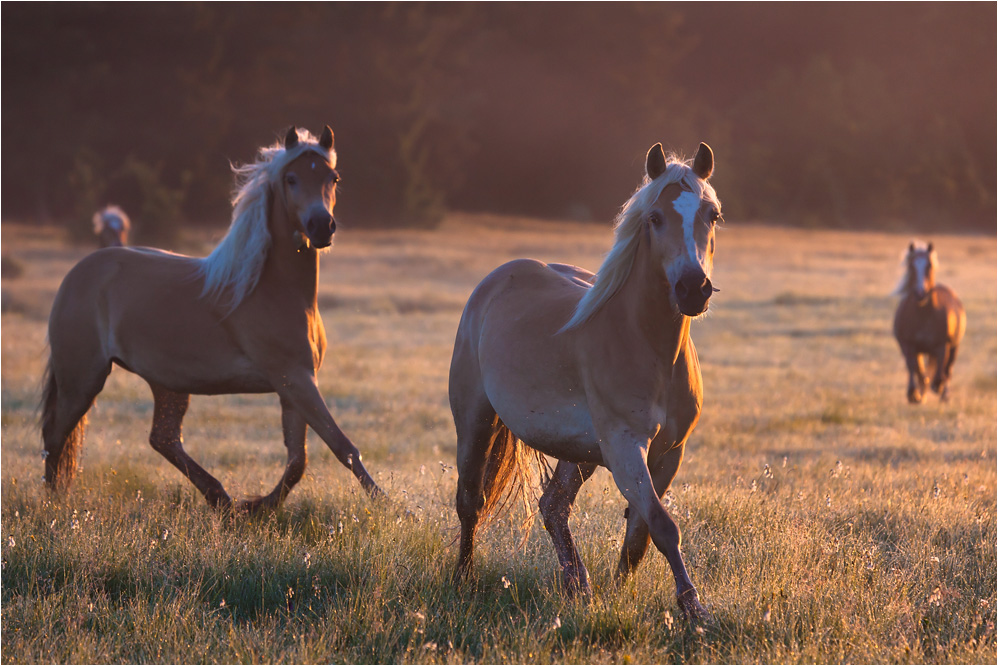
(914, 397)
(576, 586)
(696, 614)
(255, 505)
(219, 500)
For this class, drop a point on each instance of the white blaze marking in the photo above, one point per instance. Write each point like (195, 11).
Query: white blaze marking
(687, 204)
(921, 265)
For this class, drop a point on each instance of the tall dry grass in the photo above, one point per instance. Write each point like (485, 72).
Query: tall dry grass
(824, 518)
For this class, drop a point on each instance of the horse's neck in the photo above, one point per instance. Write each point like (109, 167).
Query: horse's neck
(644, 305)
(287, 261)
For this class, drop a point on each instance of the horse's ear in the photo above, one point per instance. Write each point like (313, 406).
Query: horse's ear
(655, 161)
(326, 140)
(911, 246)
(929, 248)
(703, 163)
(291, 138)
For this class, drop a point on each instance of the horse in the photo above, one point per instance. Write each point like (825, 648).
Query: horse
(244, 319)
(929, 323)
(111, 226)
(592, 370)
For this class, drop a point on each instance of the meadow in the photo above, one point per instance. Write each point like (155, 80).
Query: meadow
(824, 518)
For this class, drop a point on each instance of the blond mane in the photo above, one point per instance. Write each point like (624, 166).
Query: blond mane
(627, 227)
(233, 268)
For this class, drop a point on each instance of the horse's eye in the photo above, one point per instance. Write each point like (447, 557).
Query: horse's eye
(291, 179)
(334, 177)
(655, 218)
(714, 216)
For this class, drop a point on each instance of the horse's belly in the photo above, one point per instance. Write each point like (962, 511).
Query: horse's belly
(562, 430)
(199, 376)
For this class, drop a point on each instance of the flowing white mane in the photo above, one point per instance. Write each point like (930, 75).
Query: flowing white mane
(233, 268)
(617, 265)
(906, 283)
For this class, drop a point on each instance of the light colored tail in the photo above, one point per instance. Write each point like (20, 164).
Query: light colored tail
(61, 453)
(508, 469)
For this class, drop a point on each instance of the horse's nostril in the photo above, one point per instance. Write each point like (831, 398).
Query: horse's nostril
(681, 289)
(332, 225)
(706, 288)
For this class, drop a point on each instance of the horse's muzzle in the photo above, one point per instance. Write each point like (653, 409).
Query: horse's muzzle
(320, 228)
(693, 291)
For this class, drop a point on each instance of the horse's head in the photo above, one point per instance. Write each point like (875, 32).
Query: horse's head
(681, 223)
(308, 189)
(920, 270)
(111, 227)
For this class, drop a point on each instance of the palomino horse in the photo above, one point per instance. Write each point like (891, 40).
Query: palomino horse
(592, 370)
(929, 322)
(242, 320)
(111, 227)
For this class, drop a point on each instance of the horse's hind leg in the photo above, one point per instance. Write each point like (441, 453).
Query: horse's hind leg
(556, 506)
(941, 375)
(944, 394)
(636, 537)
(295, 431)
(167, 439)
(65, 405)
(475, 422)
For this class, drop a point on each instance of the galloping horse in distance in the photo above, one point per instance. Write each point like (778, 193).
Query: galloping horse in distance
(242, 320)
(111, 226)
(592, 370)
(929, 323)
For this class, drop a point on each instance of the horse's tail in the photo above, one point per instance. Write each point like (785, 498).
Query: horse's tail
(508, 469)
(61, 451)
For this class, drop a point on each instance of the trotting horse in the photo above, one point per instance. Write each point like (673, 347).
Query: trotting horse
(242, 320)
(929, 323)
(111, 226)
(592, 370)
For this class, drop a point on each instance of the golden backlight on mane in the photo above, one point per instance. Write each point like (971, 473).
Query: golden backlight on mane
(233, 268)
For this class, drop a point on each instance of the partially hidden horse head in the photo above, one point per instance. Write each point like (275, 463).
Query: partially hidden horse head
(920, 263)
(297, 174)
(111, 226)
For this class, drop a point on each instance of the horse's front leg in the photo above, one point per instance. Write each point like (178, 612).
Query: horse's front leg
(636, 537)
(295, 431)
(942, 365)
(916, 376)
(625, 453)
(556, 506)
(300, 391)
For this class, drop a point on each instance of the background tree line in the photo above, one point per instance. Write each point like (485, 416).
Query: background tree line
(820, 114)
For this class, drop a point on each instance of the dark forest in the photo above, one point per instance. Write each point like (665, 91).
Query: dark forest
(841, 115)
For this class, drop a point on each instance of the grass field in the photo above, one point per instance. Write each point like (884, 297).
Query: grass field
(824, 518)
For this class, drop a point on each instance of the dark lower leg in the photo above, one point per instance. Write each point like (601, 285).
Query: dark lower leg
(556, 507)
(167, 439)
(295, 431)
